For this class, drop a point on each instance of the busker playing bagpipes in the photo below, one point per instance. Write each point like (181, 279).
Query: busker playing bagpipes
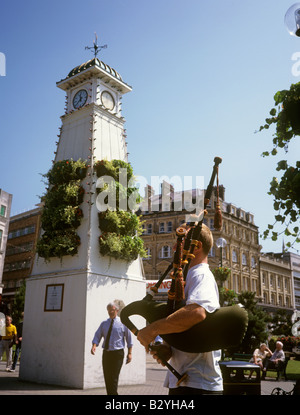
(202, 297)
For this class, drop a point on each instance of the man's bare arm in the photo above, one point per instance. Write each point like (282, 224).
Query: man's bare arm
(181, 320)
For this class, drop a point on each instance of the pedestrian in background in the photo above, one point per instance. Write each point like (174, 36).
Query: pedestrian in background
(115, 334)
(18, 344)
(7, 341)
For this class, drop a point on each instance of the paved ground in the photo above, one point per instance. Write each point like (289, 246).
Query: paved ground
(155, 374)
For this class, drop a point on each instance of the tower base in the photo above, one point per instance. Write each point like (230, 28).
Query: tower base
(62, 313)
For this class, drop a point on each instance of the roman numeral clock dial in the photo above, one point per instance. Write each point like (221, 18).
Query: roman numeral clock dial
(80, 99)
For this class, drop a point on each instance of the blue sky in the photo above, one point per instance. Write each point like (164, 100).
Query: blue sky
(203, 75)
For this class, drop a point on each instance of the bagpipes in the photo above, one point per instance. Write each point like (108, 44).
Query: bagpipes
(223, 328)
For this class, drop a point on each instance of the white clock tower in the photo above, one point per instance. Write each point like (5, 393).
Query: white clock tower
(57, 338)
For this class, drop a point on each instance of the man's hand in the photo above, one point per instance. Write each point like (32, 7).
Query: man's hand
(162, 351)
(128, 358)
(146, 335)
(93, 350)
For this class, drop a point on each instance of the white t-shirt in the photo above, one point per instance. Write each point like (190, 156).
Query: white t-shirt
(202, 368)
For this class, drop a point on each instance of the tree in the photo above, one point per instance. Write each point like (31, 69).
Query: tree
(286, 190)
(257, 323)
(18, 304)
(281, 323)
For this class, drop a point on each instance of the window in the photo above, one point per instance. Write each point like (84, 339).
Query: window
(279, 281)
(234, 256)
(169, 227)
(148, 251)
(253, 263)
(161, 227)
(235, 283)
(165, 252)
(273, 299)
(2, 210)
(244, 259)
(21, 232)
(149, 228)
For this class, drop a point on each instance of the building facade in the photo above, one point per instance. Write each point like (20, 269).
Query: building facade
(276, 283)
(294, 261)
(250, 269)
(5, 207)
(21, 243)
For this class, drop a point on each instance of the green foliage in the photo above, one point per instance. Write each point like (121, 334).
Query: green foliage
(221, 274)
(285, 117)
(123, 247)
(228, 297)
(120, 228)
(281, 323)
(288, 342)
(61, 214)
(112, 169)
(18, 304)
(120, 222)
(257, 323)
(66, 171)
(286, 190)
(58, 243)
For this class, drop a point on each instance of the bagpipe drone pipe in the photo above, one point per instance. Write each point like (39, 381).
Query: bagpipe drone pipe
(223, 328)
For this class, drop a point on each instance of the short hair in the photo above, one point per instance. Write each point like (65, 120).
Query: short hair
(281, 344)
(206, 239)
(112, 304)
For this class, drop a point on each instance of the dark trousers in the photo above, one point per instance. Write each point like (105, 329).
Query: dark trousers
(16, 355)
(272, 365)
(112, 363)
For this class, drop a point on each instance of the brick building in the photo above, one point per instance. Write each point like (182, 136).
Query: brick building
(22, 237)
(5, 207)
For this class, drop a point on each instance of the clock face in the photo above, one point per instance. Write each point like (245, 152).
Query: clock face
(80, 98)
(107, 100)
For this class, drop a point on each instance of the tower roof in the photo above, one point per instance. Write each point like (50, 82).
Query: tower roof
(94, 62)
(94, 66)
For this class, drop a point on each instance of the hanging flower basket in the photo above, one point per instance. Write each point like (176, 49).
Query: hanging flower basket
(120, 229)
(221, 274)
(61, 214)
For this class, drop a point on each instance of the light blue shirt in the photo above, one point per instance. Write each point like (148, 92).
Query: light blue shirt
(119, 335)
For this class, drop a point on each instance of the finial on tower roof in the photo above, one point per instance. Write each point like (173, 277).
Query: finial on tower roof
(95, 46)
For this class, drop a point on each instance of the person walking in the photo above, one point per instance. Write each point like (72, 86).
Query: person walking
(115, 334)
(7, 341)
(18, 345)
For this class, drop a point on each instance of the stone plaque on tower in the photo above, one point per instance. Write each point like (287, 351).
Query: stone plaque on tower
(66, 295)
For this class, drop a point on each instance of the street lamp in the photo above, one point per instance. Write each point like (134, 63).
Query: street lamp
(221, 243)
(292, 20)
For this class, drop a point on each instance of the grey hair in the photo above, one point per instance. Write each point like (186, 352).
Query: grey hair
(112, 304)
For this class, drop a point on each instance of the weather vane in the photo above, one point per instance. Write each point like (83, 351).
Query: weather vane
(96, 47)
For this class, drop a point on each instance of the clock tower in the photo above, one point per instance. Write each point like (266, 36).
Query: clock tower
(94, 94)
(66, 298)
